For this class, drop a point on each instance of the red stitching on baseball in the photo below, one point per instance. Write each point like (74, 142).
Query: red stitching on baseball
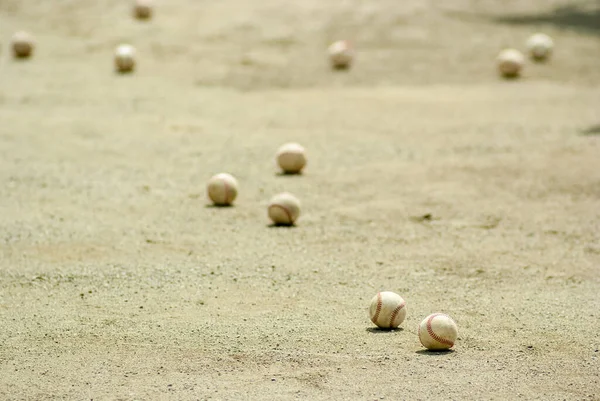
(286, 211)
(435, 336)
(379, 305)
(395, 312)
(226, 189)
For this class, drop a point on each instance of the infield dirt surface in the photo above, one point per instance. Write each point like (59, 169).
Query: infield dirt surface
(427, 175)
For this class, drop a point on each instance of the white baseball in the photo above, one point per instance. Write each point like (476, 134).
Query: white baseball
(284, 209)
(540, 46)
(142, 9)
(341, 54)
(387, 310)
(510, 63)
(222, 189)
(22, 44)
(125, 58)
(291, 158)
(438, 332)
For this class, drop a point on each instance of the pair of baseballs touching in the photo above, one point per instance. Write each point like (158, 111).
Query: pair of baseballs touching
(284, 208)
(511, 61)
(436, 332)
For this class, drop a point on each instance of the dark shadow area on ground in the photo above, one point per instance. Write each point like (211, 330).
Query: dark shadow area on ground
(440, 352)
(592, 130)
(279, 225)
(284, 174)
(377, 330)
(584, 17)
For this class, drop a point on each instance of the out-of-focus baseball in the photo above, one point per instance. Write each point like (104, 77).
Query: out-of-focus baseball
(22, 44)
(510, 63)
(540, 46)
(222, 189)
(387, 310)
(341, 54)
(125, 58)
(438, 332)
(291, 158)
(284, 209)
(142, 9)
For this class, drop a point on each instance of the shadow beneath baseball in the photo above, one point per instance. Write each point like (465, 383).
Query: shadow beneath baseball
(435, 352)
(378, 330)
(340, 68)
(275, 225)
(511, 78)
(286, 174)
(213, 206)
(593, 130)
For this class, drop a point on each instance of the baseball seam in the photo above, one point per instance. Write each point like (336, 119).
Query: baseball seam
(285, 210)
(395, 313)
(432, 333)
(378, 309)
(227, 192)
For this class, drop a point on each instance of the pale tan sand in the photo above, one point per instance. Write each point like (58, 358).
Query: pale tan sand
(427, 175)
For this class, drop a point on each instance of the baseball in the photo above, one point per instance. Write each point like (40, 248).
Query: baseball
(387, 310)
(438, 332)
(540, 46)
(142, 9)
(222, 189)
(125, 58)
(291, 158)
(510, 63)
(22, 44)
(284, 209)
(341, 55)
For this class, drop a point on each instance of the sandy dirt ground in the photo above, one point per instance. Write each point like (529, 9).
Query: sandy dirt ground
(427, 175)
